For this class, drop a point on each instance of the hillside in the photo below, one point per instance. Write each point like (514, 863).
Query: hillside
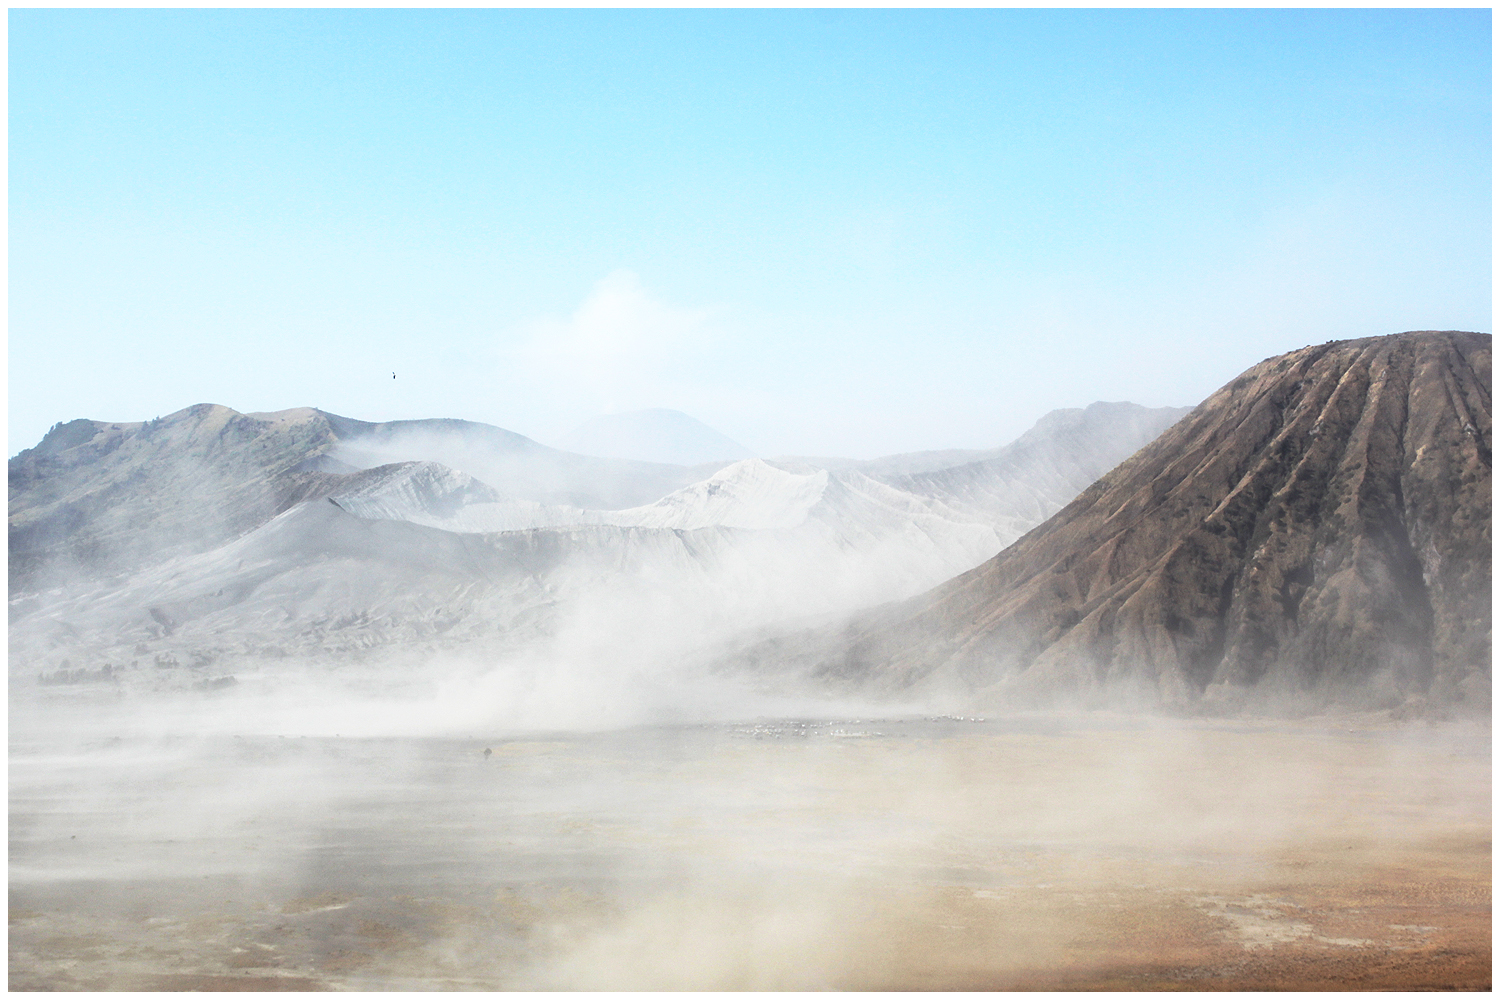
(98, 498)
(1318, 529)
(237, 537)
(1016, 487)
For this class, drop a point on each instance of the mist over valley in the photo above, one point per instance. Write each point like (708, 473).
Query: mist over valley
(299, 701)
(749, 499)
(215, 539)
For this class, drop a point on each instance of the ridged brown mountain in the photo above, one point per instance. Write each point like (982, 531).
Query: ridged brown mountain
(1318, 529)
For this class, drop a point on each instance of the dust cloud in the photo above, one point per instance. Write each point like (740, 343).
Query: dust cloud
(343, 771)
(210, 842)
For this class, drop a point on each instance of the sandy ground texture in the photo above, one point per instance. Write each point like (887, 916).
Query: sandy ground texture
(1038, 852)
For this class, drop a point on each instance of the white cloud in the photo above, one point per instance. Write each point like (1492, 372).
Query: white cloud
(621, 348)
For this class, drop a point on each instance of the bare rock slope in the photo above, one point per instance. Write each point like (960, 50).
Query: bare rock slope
(1020, 485)
(1317, 529)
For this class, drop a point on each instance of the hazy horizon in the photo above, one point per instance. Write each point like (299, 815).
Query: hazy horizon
(850, 233)
(1131, 697)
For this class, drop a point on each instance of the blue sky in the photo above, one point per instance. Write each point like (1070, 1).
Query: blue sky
(821, 232)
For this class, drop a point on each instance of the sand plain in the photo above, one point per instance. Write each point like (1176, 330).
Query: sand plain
(1017, 852)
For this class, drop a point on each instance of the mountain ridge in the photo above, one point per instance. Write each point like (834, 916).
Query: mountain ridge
(1319, 528)
(249, 534)
(99, 496)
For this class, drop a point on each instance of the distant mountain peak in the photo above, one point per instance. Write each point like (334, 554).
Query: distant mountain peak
(655, 435)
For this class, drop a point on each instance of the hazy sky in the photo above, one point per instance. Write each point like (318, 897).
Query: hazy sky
(821, 232)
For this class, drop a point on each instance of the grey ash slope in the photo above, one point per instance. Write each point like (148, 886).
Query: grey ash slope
(1022, 484)
(1317, 530)
(222, 545)
(97, 497)
(515, 465)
